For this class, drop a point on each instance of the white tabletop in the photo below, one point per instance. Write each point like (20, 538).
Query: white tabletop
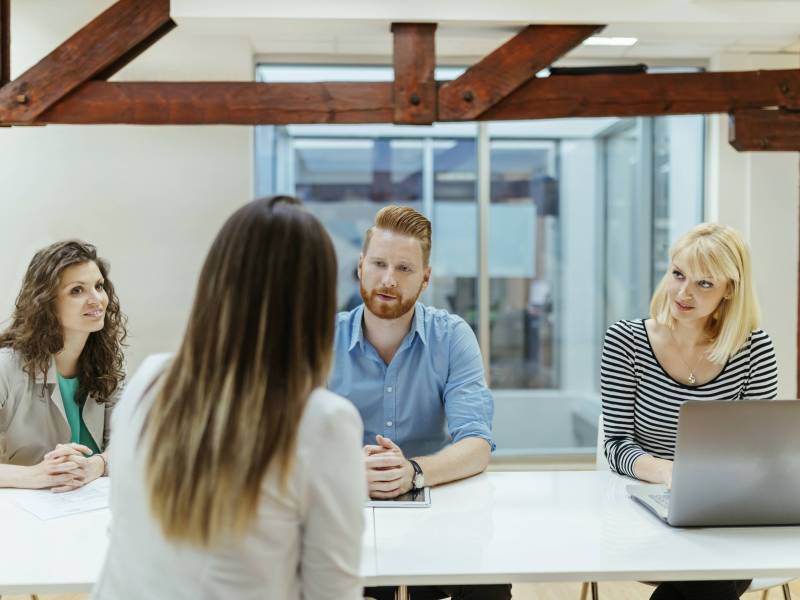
(60, 555)
(369, 565)
(563, 526)
(66, 554)
(496, 527)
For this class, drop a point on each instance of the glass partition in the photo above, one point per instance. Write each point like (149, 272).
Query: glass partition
(581, 214)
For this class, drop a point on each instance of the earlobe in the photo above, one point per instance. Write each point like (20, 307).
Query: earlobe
(426, 278)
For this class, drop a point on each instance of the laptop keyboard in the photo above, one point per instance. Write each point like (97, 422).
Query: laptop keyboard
(662, 499)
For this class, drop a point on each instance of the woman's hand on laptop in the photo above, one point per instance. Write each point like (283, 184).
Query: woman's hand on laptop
(652, 469)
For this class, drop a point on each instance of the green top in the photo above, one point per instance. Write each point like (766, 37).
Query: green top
(80, 435)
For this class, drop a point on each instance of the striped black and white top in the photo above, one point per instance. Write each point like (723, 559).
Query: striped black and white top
(641, 400)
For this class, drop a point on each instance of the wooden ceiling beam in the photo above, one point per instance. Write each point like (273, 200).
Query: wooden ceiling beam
(641, 94)
(135, 50)
(105, 44)
(765, 130)
(221, 103)
(248, 103)
(511, 65)
(5, 42)
(414, 78)
(64, 86)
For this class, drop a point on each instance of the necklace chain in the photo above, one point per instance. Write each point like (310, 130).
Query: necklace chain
(691, 379)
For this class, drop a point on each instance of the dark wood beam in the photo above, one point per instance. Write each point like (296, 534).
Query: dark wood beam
(414, 79)
(136, 50)
(765, 130)
(514, 63)
(5, 42)
(247, 103)
(233, 103)
(648, 95)
(107, 42)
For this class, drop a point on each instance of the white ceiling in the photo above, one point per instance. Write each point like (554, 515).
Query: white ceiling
(668, 30)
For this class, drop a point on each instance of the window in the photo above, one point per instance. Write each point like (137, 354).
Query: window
(581, 213)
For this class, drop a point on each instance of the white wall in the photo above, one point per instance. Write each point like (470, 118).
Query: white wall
(150, 198)
(758, 193)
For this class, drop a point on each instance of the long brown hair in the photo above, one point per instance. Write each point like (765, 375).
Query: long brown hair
(258, 341)
(36, 334)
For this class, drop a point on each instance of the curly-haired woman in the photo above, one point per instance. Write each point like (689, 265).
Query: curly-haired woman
(61, 370)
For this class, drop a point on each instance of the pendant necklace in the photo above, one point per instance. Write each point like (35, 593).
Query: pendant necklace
(691, 379)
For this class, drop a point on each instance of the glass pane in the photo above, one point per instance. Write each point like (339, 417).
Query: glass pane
(626, 231)
(455, 228)
(523, 251)
(377, 170)
(582, 213)
(345, 181)
(677, 182)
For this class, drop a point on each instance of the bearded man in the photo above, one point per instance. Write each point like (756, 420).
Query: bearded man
(415, 374)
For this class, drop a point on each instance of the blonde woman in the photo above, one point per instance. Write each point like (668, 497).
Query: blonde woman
(235, 475)
(701, 342)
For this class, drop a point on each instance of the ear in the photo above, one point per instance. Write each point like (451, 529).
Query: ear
(728, 291)
(360, 263)
(426, 277)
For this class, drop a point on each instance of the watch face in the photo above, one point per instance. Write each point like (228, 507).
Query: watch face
(419, 480)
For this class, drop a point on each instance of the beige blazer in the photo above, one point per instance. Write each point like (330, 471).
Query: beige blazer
(32, 417)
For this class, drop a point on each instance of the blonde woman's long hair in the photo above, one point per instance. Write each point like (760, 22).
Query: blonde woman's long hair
(721, 252)
(259, 340)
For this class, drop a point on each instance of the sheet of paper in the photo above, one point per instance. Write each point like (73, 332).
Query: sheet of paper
(47, 505)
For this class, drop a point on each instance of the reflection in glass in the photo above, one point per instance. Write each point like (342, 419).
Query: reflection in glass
(523, 256)
(455, 228)
(626, 225)
(345, 181)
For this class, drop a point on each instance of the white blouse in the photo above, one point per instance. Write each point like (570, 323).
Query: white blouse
(305, 542)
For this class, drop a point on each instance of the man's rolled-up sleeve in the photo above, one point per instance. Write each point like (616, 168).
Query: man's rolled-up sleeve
(468, 403)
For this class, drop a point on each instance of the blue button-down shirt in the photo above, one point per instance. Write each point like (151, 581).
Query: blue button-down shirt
(433, 393)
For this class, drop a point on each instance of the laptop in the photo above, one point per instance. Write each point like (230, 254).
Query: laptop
(736, 463)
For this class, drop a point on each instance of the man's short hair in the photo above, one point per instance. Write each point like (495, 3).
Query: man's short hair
(403, 220)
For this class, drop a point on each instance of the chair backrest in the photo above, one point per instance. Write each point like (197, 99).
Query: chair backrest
(601, 463)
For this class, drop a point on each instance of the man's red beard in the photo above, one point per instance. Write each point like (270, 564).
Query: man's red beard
(387, 310)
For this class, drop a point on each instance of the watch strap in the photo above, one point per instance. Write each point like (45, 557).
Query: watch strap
(417, 471)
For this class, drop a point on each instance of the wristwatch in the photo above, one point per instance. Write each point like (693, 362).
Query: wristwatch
(418, 481)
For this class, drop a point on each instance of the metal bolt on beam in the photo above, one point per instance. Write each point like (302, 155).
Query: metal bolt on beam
(415, 99)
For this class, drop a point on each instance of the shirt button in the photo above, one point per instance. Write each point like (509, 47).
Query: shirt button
(388, 423)
(389, 389)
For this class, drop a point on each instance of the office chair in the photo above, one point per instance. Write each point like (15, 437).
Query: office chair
(757, 585)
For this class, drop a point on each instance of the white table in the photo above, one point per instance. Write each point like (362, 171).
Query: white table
(66, 554)
(563, 526)
(46, 557)
(493, 528)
